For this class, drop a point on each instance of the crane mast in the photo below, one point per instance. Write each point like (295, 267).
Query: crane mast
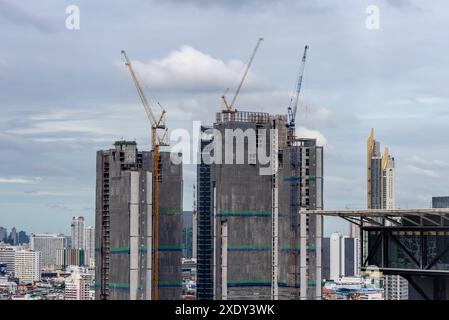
(156, 142)
(293, 106)
(237, 91)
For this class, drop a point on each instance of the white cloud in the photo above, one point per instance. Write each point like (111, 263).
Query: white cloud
(303, 132)
(188, 69)
(429, 162)
(422, 172)
(17, 180)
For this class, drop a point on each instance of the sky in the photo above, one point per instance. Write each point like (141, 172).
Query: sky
(66, 94)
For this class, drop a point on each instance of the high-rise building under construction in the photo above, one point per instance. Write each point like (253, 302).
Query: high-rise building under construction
(263, 246)
(124, 225)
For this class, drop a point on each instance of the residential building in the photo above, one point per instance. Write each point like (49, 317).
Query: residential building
(8, 257)
(69, 257)
(77, 227)
(27, 266)
(89, 246)
(77, 286)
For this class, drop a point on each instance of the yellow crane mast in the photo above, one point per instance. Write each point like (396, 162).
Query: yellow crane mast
(157, 140)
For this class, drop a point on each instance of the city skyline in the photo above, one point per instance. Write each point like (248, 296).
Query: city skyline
(355, 79)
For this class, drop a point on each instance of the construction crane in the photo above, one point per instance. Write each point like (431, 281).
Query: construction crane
(294, 100)
(223, 97)
(158, 139)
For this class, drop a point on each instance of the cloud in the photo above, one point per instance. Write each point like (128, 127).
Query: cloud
(48, 193)
(422, 172)
(18, 16)
(188, 69)
(303, 132)
(429, 162)
(6, 180)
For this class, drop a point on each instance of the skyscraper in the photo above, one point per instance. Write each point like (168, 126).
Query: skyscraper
(47, 244)
(381, 195)
(77, 227)
(124, 225)
(8, 257)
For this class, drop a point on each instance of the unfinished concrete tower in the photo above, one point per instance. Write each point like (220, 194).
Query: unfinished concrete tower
(124, 220)
(264, 247)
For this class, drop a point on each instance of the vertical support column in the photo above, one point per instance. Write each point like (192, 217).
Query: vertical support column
(149, 251)
(134, 235)
(214, 246)
(318, 246)
(303, 254)
(274, 218)
(224, 260)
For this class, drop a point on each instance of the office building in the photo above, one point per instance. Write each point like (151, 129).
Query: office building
(47, 244)
(23, 238)
(27, 266)
(440, 202)
(77, 227)
(124, 225)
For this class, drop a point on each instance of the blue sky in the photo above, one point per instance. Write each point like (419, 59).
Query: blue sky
(65, 94)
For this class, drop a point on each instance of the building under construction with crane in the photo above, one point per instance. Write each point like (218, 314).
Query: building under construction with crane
(139, 216)
(262, 247)
(125, 225)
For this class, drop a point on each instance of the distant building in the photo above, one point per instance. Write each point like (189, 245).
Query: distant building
(47, 244)
(8, 257)
(440, 202)
(27, 266)
(13, 237)
(89, 246)
(77, 286)
(381, 195)
(124, 238)
(69, 257)
(77, 228)
(340, 257)
(23, 238)
(3, 234)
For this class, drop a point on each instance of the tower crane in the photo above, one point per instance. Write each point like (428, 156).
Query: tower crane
(294, 100)
(237, 91)
(158, 139)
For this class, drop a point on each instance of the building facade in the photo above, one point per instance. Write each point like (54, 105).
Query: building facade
(124, 262)
(47, 244)
(89, 246)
